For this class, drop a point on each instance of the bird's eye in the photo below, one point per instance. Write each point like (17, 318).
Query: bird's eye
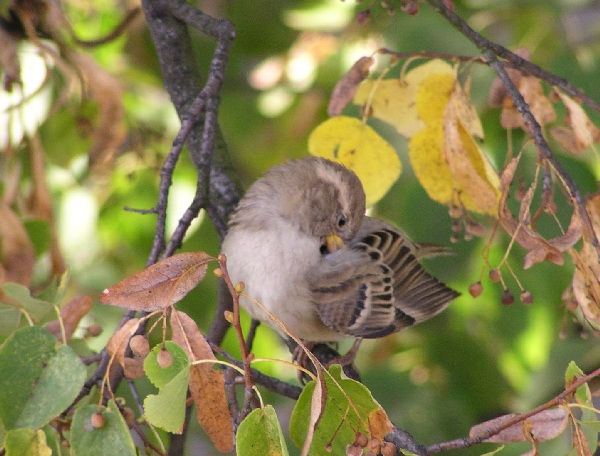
(341, 220)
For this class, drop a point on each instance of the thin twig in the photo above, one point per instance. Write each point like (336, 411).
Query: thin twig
(514, 61)
(468, 442)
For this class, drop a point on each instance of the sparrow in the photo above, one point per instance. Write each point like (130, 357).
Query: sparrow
(300, 242)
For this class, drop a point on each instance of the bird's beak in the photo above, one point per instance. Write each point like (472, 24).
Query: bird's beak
(333, 243)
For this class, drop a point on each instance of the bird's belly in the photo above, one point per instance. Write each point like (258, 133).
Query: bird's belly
(275, 276)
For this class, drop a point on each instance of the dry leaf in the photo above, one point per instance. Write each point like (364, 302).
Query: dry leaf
(39, 202)
(542, 426)
(461, 106)
(379, 424)
(110, 129)
(539, 105)
(207, 386)
(346, 87)
(585, 133)
(498, 92)
(586, 279)
(119, 341)
(70, 314)
(317, 407)
(580, 442)
(9, 60)
(160, 285)
(134, 368)
(470, 168)
(17, 252)
(539, 248)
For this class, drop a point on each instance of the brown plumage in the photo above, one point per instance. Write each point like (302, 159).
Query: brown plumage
(300, 242)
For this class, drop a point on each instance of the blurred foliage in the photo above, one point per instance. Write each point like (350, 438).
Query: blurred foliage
(475, 361)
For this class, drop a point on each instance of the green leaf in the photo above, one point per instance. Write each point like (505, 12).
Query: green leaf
(160, 376)
(347, 411)
(112, 438)
(39, 233)
(16, 299)
(40, 381)
(167, 408)
(260, 433)
(493, 452)
(26, 442)
(583, 393)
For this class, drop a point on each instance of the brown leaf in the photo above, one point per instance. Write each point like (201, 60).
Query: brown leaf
(469, 166)
(9, 60)
(465, 111)
(17, 252)
(539, 105)
(207, 386)
(498, 93)
(580, 442)
(346, 87)
(110, 130)
(317, 408)
(39, 202)
(542, 426)
(160, 285)
(584, 131)
(70, 314)
(540, 249)
(119, 341)
(134, 367)
(586, 279)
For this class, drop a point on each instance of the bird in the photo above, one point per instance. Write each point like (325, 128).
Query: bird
(301, 244)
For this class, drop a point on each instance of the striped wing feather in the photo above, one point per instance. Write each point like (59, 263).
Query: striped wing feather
(376, 286)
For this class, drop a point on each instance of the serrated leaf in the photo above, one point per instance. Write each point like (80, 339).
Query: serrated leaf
(346, 412)
(161, 376)
(166, 409)
(40, 381)
(260, 433)
(112, 438)
(26, 442)
(357, 146)
(160, 285)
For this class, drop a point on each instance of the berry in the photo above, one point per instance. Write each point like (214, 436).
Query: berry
(164, 358)
(507, 298)
(475, 289)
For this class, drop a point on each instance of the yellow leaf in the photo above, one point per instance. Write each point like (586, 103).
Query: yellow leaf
(394, 100)
(437, 177)
(433, 96)
(358, 147)
(473, 173)
(465, 111)
(430, 167)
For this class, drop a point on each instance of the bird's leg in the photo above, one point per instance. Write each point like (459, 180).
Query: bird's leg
(300, 357)
(348, 358)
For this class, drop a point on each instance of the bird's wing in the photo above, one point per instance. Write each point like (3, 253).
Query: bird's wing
(376, 286)
(416, 293)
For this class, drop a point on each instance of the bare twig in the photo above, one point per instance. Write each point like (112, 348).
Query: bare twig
(491, 52)
(513, 60)
(468, 442)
